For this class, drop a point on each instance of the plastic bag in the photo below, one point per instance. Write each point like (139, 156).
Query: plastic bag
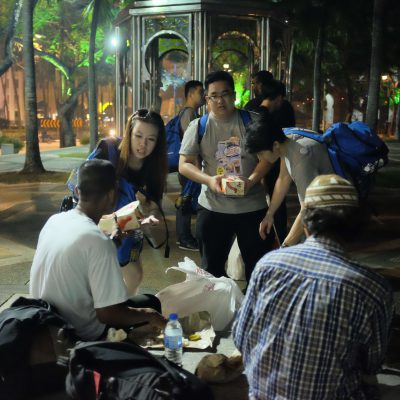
(201, 291)
(235, 266)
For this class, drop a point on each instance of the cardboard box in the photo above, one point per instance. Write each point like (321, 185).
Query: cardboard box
(126, 218)
(233, 186)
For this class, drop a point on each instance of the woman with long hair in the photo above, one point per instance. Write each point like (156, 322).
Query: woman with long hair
(140, 159)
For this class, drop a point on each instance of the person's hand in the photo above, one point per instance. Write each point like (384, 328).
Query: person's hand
(248, 184)
(150, 220)
(215, 183)
(266, 225)
(156, 323)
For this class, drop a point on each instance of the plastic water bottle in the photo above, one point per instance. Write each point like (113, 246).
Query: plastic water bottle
(173, 340)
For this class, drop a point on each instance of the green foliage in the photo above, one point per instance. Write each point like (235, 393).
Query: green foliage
(85, 139)
(18, 144)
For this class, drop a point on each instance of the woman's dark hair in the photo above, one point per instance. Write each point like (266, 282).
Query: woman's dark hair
(218, 76)
(262, 133)
(155, 166)
(341, 223)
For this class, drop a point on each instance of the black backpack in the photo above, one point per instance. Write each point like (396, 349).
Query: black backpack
(30, 349)
(124, 371)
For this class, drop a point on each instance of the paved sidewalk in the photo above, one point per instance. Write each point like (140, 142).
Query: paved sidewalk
(50, 155)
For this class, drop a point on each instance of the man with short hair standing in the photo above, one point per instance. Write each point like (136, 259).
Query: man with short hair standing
(194, 99)
(220, 217)
(313, 320)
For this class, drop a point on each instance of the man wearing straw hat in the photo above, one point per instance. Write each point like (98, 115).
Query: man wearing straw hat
(313, 321)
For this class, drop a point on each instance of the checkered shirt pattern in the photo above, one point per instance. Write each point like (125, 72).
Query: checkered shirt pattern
(312, 322)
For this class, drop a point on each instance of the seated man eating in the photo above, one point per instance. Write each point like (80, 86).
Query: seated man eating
(75, 267)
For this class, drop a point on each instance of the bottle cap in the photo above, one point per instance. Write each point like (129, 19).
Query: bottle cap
(173, 316)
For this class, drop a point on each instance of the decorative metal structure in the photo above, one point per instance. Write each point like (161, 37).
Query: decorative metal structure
(165, 43)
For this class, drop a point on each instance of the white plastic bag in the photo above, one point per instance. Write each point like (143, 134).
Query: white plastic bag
(235, 266)
(201, 291)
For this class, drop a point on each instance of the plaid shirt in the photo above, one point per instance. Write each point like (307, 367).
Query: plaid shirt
(312, 322)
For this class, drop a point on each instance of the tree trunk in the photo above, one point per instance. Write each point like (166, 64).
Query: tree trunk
(6, 112)
(16, 98)
(316, 114)
(376, 64)
(67, 134)
(93, 115)
(397, 127)
(8, 56)
(290, 77)
(66, 113)
(33, 162)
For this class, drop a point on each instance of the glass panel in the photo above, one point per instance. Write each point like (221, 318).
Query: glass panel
(178, 23)
(125, 72)
(236, 49)
(167, 62)
(221, 25)
(277, 53)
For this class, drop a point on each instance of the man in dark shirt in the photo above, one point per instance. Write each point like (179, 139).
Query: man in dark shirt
(285, 115)
(270, 99)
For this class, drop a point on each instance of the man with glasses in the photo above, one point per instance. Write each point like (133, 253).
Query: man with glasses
(220, 217)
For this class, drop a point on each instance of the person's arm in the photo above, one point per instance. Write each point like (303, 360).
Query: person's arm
(281, 189)
(188, 116)
(297, 230)
(122, 316)
(133, 275)
(188, 166)
(259, 172)
(377, 330)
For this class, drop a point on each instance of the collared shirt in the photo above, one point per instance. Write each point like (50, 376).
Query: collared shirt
(312, 322)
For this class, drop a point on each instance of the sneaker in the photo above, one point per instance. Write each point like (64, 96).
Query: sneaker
(190, 245)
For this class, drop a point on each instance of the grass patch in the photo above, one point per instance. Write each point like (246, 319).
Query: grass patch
(19, 177)
(82, 155)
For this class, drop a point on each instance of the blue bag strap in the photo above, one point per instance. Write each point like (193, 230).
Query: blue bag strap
(304, 132)
(201, 127)
(245, 115)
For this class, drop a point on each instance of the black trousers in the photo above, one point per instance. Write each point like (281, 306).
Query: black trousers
(216, 232)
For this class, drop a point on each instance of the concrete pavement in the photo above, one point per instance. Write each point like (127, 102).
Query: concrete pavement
(50, 155)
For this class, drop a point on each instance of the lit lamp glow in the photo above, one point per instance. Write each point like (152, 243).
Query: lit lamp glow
(384, 77)
(112, 132)
(114, 41)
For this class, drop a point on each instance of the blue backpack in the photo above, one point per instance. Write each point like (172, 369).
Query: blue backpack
(173, 135)
(354, 149)
(192, 189)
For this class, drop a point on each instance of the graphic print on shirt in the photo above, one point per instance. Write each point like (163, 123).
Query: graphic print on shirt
(228, 156)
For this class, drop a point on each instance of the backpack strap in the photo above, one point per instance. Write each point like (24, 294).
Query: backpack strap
(245, 115)
(201, 127)
(304, 132)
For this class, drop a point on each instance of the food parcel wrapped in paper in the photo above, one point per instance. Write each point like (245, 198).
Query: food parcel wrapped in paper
(201, 291)
(125, 217)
